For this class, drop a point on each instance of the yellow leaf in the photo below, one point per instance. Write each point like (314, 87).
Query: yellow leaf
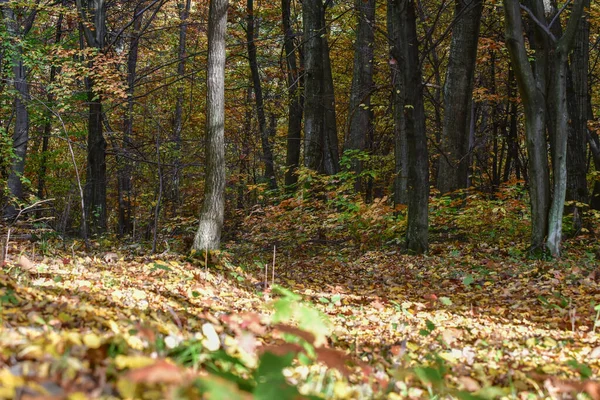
(10, 381)
(122, 362)
(126, 388)
(92, 341)
(77, 396)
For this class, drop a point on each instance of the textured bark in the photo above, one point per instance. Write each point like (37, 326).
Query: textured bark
(400, 144)
(417, 234)
(360, 123)
(292, 160)
(559, 154)
(577, 93)
(314, 114)
(454, 162)
(320, 133)
(258, 95)
(208, 236)
(331, 158)
(535, 120)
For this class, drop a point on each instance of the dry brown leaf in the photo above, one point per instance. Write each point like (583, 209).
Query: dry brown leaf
(26, 264)
(334, 359)
(159, 372)
(469, 384)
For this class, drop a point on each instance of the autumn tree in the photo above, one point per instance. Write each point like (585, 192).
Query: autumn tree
(208, 236)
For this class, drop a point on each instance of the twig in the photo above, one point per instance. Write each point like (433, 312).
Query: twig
(266, 275)
(273, 272)
(542, 26)
(5, 252)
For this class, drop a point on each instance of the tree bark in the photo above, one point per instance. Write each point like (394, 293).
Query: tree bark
(454, 163)
(292, 160)
(535, 123)
(577, 93)
(417, 235)
(360, 123)
(208, 236)
(320, 134)
(258, 95)
(400, 142)
(94, 13)
(559, 155)
(17, 27)
(184, 12)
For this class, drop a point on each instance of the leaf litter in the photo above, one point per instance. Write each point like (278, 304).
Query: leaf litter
(465, 320)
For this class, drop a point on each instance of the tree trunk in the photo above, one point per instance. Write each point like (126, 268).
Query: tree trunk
(320, 133)
(258, 95)
(184, 12)
(535, 120)
(314, 113)
(454, 162)
(417, 240)
(93, 12)
(360, 122)
(559, 155)
(331, 158)
(400, 144)
(577, 92)
(20, 138)
(125, 167)
(208, 236)
(295, 100)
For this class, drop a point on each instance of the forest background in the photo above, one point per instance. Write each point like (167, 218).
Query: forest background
(465, 130)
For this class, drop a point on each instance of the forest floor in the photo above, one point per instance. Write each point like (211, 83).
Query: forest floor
(475, 318)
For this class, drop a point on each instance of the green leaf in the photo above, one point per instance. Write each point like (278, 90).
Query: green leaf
(446, 301)
(468, 280)
(271, 383)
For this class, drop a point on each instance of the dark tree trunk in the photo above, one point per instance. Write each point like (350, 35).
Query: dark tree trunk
(320, 134)
(400, 143)
(454, 162)
(208, 236)
(17, 27)
(294, 98)
(577, 92)
(93, 12)
(417, 240)
(314, 113)
(331, 158)
(258, 95)
(360, 122)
